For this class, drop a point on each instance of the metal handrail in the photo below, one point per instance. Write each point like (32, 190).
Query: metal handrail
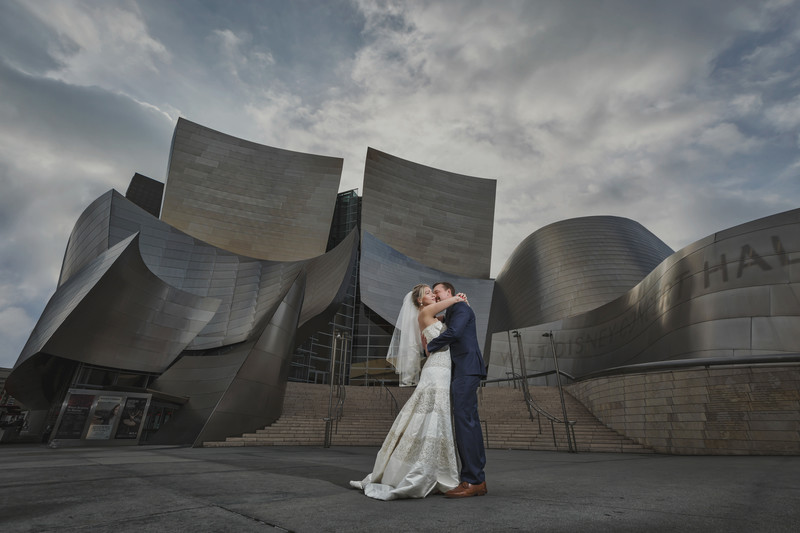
(341, 392)
(335, 411)
(395, 405)
(531, 404)
(689, 363)
(526, 393)
(332, 420)
(383, 387)
(530, 376)
(553, 421)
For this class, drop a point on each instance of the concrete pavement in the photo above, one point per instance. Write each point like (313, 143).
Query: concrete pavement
(149, 488)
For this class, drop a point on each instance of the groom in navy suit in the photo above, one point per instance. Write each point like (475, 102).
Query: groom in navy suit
(468, 370)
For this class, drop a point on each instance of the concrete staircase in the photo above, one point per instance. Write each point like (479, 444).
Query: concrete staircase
(369, 412)
(507, 424)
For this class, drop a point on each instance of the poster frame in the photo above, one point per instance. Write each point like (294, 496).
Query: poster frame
(103, 436)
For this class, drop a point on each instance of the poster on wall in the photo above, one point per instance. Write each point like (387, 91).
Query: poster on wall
(75, 416)
(105, 415)
(132, 416)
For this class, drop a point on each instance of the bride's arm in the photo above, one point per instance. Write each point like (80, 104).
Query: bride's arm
(429, 311)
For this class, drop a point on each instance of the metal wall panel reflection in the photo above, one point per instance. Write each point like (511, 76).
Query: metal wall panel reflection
(115, 313)
(572, 266)
(241, 391)
(254, 398)
(437, 218)
(141, 313)
(386, 276)
(247, 198)
(246, 287)
(733, 294)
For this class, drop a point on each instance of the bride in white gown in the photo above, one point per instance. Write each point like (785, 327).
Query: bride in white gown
(418, 455)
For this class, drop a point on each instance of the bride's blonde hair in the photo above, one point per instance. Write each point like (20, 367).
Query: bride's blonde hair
(417, 293)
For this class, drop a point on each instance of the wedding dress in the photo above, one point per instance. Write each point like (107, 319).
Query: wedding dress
(418, 455)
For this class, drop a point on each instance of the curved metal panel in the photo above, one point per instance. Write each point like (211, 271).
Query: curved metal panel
(434, 217)
(247, 288)
(572, 266)
(237, 392)
(386, 275)
(733, 294)
(254, 398)
(116, 313)
(89, 237)
(84, 317)
(247, 198)
(328, 277)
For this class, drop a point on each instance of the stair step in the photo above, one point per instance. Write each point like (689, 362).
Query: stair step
(368, 414)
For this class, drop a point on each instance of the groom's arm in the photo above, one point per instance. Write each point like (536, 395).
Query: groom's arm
(456, 324)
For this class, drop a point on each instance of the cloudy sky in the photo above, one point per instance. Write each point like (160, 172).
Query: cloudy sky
(682, 115)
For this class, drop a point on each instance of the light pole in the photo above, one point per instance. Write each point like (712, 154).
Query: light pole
(522, 368)
(560, 390)
(511, 358)
(524, 371)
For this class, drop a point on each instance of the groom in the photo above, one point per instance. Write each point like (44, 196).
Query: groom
(468, 370)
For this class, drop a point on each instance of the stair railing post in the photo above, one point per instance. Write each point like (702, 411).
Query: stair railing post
(522, 368)
(560, 391)
(341, 392)
(332, 381)
(344, 358)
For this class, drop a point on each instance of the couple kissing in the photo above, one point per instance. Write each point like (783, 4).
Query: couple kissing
(418, 456)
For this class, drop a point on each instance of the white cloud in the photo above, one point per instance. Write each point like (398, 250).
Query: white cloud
(727, 139)
(785, 116)
(746, 104)
(101, 44)
(238, 57)
(682, 116)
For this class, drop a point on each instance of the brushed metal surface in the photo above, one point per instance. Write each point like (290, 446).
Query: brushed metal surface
(216, 300)
(732, 294)
(437, 218)
(247, 198)
(134, 293)
(573, 266)
(387, 275)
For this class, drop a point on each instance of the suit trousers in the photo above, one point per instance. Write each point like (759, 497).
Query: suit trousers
(467, 425)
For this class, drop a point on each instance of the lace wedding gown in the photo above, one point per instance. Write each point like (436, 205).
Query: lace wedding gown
(418, 455)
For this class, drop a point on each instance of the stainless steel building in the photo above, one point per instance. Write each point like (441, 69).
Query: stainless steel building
(206, 333)
(186, 328)
(731, 295)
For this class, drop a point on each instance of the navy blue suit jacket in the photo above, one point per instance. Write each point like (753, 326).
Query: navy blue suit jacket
(462, 338)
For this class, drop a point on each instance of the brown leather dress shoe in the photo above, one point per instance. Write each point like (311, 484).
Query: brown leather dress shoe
(465, 490)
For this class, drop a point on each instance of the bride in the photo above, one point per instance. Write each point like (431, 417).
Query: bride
(418, 455)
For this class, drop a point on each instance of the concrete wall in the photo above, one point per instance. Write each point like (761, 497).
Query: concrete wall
(753, 410)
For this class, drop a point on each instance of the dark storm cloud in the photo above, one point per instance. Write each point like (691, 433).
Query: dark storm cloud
(25, 40)
(61, 146)
(83, 120)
